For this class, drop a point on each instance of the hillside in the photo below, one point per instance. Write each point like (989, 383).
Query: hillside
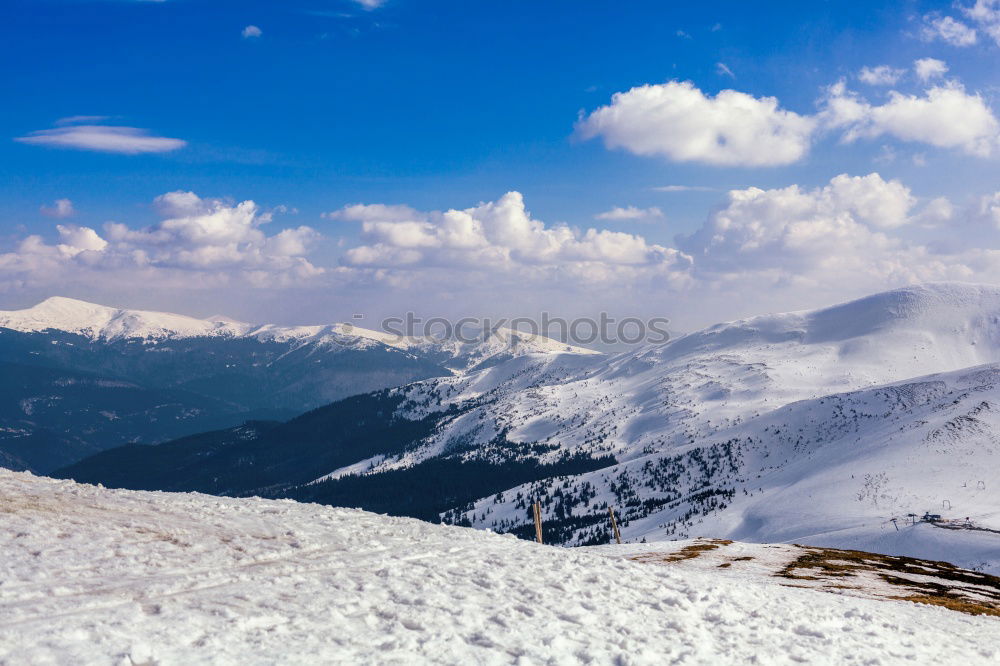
(101, 576)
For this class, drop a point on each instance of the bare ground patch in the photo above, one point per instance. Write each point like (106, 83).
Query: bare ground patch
(850, 572)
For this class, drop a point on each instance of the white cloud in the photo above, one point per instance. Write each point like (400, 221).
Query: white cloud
(82, 120)
(946, 116)
(103, 138)
(500, 238)
(948, 30)
(986, 14)
(760, 249)
(79, 239)
(371, 4)
(210, 234)
(986, 210)
(379, 212)
(251, 31)
(935, 212)
(199, 241)
(682, 188)
(60, 208)
(630, 213)
(929, 68)
(677, 121)
(883, 75)
(837, 237)
(791, 220)
(723, 70)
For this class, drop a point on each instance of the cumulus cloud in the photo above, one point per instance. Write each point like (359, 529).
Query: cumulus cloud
(948, 30)
(945, 116)
(793, 220)
(839, 236)
(631, 214)
(883, 75)
(501, 237)
(251, 31)
(103, 138)
(60, 208)
(929, 68)
(79, 239)
(212, 234)
(206, 239)
(678, 121)
(986, 14)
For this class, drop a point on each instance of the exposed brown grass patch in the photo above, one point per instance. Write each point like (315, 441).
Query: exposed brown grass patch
(686, 553)
(868, 575)
(952, 603)
(940, 583)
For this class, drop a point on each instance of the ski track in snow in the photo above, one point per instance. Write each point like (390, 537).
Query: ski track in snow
(105, 576)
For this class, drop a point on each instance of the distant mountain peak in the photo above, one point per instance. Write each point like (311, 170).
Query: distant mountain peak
(102, 322)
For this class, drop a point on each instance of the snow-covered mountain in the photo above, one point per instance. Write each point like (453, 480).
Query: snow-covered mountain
(80, 377)
(102, 576)
(107, 324)
(819, 427)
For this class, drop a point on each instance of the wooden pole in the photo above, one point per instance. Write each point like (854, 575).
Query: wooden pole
(537, 510)
(614, 526)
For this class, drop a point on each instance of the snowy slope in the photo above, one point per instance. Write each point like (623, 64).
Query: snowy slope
(97, 576)
(658, 397)
(831, 471)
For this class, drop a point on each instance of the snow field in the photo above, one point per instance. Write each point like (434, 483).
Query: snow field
(103, 576)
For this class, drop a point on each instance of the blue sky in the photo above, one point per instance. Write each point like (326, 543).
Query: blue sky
(436, 106)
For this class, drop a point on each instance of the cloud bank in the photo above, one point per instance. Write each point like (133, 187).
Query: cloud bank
(759, 248)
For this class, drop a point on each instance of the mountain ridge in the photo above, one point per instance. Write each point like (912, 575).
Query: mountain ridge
(100, 322)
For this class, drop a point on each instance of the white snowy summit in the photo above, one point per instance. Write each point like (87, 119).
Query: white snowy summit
(99, 322)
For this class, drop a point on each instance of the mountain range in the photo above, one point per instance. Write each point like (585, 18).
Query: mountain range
(78, 378)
